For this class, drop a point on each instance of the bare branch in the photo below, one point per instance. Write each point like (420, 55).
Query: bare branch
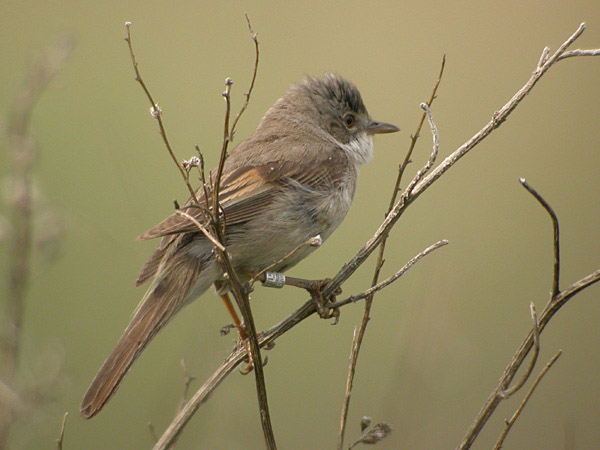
(385, 283)
(434, 152)
(206, 233)
(548, 208)
(156, 112)
(509, 423)
(504, 394)
(399, 208)
(578, 52)
(315, 241)
(59, 441)
(365, 318)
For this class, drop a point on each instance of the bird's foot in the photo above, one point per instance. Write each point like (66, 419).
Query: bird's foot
(315, 289)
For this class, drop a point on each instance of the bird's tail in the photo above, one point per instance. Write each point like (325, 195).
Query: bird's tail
(165, 297)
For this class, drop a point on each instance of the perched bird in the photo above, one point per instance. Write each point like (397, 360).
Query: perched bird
(294, 178)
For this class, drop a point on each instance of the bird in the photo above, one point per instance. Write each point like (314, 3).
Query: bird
(293, 179)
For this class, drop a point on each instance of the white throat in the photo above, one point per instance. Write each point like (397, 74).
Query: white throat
(360, 149)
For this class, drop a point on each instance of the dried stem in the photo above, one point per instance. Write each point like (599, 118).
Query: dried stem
(201, 227)
(501, 391)
(227, 132)
(157, 113)
(385, 283)
(509, 423)
(366, 313)
(315, 241)
(556, 278)
(61, 436)
(536, 351)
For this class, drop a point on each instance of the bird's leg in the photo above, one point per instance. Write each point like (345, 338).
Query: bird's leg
(238, 324)
(314, 288)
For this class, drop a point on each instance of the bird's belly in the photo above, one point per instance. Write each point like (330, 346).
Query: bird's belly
(288, 223)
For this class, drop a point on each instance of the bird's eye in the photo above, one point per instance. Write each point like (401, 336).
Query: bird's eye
(350, 120)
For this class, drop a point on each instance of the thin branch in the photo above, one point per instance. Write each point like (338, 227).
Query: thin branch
(385, 283)
(187, 380)
(509, 423)
(415, 136)
(552, 307)
(378, 266)
(156, 112)
(578, 52)
(254, 37)
(228, 133)
(548, 208)
(434, 153)
(505, 393)
(61, 436)
(315, 241)
(201, 227)
(219, 173)
(240, 294)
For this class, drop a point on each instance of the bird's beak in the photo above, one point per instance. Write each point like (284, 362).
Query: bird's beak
(381, 128)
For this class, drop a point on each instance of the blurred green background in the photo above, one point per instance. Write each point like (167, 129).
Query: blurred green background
(440, 337)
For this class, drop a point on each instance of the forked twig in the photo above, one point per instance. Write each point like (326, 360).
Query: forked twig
(385, 283)
(505, 393)
(502, 391)
(508, 424)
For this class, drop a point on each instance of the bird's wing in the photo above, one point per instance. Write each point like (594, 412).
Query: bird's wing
(245, 193)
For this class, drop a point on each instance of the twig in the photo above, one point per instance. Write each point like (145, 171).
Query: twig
(254, 37)
(548, 208)
(578, 52)
(385, 283)
(552, 307)
(378, 266)
(59, 441)
(509, 423)
(505, 393)
(201, 227)
(186, 386)
(156, 112)
(228, 133)
(241, 294)
(315, 241)
(431, 161)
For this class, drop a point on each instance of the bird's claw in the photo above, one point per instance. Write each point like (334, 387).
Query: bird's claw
(321, 304)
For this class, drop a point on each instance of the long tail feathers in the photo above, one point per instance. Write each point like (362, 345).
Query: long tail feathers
(166, 296)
